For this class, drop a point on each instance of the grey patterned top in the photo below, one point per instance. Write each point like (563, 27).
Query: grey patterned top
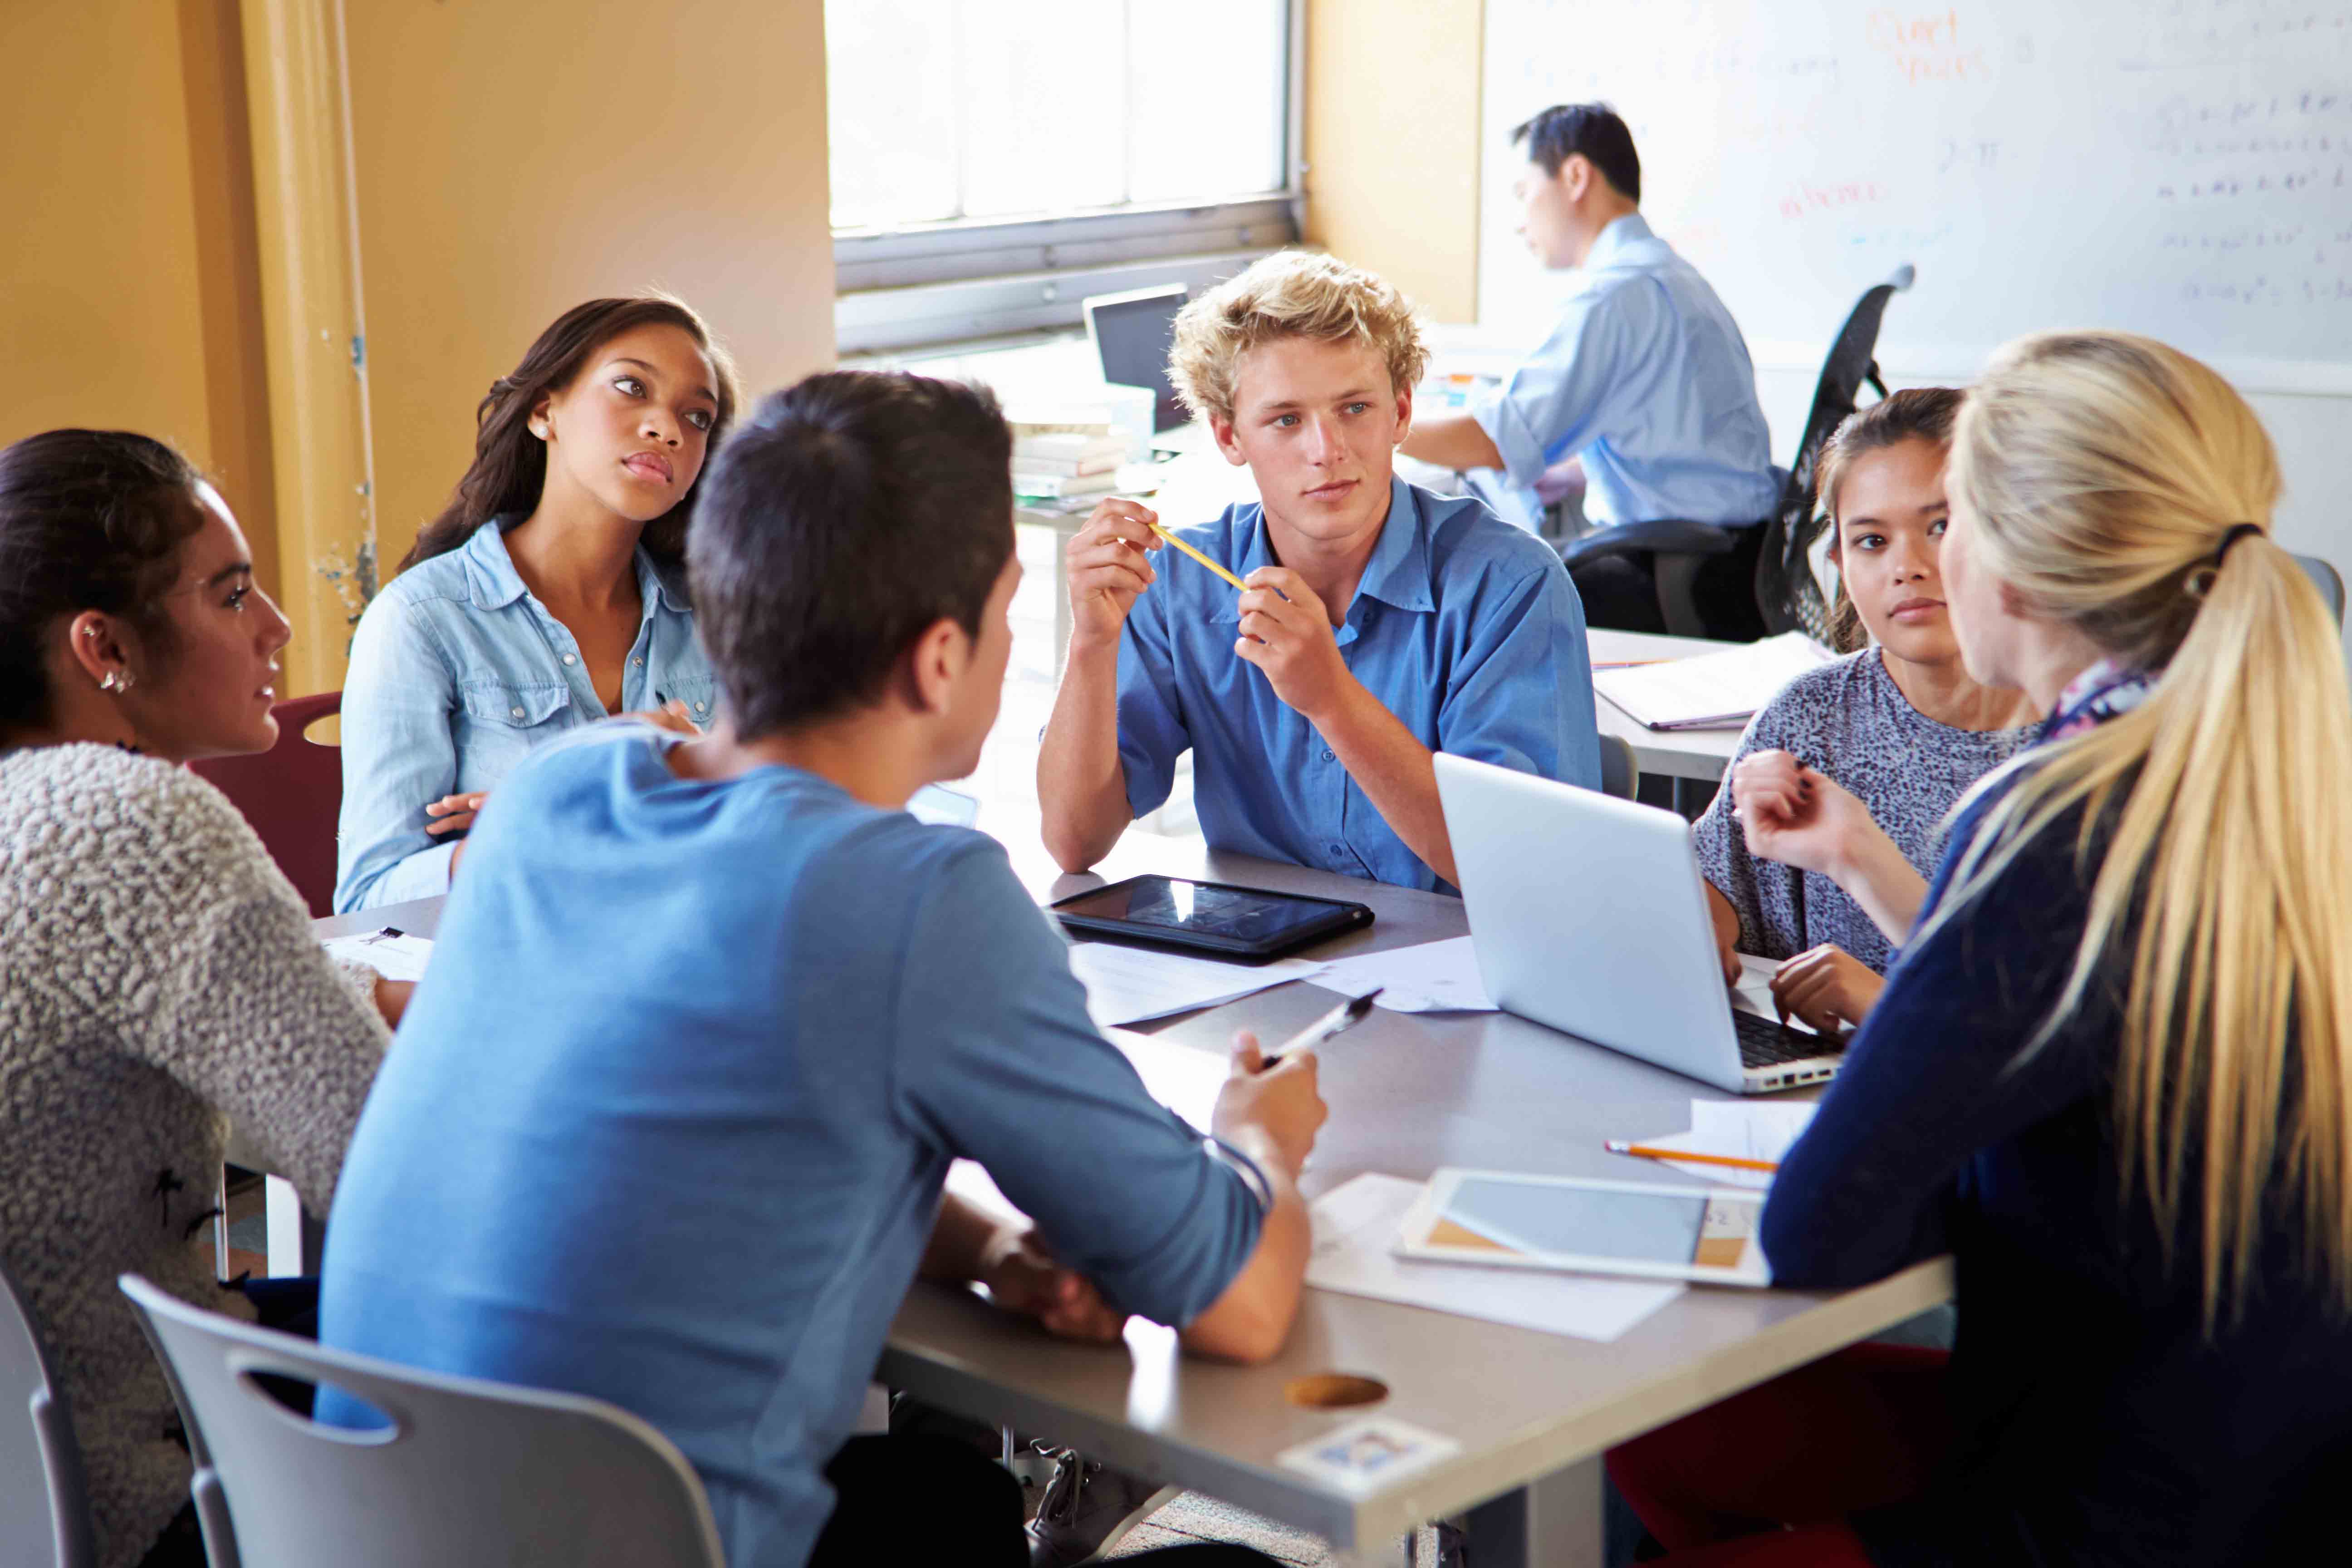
(158, 978)
(1849, 721)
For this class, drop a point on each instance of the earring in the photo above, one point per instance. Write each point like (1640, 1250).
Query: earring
(117, 681)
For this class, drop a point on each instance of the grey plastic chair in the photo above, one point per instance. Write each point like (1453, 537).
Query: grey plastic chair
(1620, 775)
(468, 1473)
(2329, 582)
(44, 1502)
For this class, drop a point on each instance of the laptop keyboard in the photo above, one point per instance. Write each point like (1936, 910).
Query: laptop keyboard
(1764, 1043)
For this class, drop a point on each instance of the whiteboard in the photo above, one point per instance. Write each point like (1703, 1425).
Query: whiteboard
(2181, 168)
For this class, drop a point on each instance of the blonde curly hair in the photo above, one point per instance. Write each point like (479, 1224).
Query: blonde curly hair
(1292, 293)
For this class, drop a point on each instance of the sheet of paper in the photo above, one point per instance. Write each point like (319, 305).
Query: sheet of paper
(1742, 1128)
(1712, 690)
(1134, 984)
(1434, 977)
(393, 956)
(1355, 1225)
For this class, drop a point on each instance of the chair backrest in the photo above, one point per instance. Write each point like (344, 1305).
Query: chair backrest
(1620, 775)
(467, 1472)
(44, 1503)
(1786, 591)
(291, 793)
(2329, 582)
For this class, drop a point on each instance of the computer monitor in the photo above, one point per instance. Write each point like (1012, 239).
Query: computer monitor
(1132, 334)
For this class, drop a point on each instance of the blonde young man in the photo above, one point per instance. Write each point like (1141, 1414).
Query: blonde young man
(1380, 623)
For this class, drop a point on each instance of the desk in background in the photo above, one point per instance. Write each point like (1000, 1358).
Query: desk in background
(1532, 1412)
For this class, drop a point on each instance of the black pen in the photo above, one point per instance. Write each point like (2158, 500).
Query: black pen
(1338, 1021)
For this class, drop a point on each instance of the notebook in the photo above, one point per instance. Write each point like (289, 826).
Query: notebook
(1713, 691)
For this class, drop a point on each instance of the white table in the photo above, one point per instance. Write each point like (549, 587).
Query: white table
(1695, 755)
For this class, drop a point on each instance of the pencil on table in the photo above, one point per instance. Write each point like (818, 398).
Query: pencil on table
(1196, 556)
(1648, 1151)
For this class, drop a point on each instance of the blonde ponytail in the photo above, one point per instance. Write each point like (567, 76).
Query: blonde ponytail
(2104, 474)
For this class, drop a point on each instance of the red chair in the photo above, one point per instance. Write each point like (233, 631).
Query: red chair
(291, 793)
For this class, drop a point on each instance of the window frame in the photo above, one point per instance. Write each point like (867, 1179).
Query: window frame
(962, 279)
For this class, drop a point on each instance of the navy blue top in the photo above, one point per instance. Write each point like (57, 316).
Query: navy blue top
(667, 1121)
(2095, 1423)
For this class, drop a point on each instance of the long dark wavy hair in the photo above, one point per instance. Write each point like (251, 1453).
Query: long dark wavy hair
(510, 463)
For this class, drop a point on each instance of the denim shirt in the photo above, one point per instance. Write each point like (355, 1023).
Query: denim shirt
(457, 673)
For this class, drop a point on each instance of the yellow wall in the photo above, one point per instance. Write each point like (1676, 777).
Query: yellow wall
(515, 158)
(1392, 118)
(127, 293)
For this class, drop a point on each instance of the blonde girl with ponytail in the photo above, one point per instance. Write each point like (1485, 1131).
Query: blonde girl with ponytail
(2111, 1071)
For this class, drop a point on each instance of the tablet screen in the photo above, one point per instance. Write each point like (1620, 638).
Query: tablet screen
(1589, 1222)
(1170, 903)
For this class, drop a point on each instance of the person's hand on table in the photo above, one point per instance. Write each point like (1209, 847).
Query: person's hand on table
(1022, 1277)
(391, 999)
(671, 716)
(1110, 568)
(1282, 1102)
(1796, 815)
(1287, 632)
(1827, 988)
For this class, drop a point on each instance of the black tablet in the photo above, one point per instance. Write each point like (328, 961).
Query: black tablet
(1251, 924)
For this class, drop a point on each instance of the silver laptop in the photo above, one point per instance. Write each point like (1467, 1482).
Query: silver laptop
(1587, 914)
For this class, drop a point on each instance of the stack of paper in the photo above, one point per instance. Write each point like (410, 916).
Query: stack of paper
(1356, 1224)
(1434, 977)
(391, 953)
(1131, 984)
(1713, 691)
(1737, 1129)
(1067, 463)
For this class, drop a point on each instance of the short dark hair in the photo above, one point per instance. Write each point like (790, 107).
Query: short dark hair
(845, 516)
(90, 520)
(1591, 130)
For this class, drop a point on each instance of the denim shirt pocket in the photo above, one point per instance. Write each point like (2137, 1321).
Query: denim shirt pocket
(500, 721)
(700, 695)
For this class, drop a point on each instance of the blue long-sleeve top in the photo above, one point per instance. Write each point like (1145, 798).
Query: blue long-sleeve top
(2095, 1422)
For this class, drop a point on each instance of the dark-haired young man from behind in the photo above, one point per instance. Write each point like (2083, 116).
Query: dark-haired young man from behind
(710, 1017)
(1644, 376)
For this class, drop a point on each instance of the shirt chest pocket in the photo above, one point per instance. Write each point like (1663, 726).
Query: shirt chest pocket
(700, 695)
(500, 705)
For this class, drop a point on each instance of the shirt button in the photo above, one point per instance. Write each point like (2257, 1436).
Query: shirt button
(637, 664)
(517, 712)
(700, 706)
(1328, 756)
(569, 659)
(1339, 849)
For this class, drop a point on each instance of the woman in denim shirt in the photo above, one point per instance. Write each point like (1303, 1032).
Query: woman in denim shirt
(549, 595)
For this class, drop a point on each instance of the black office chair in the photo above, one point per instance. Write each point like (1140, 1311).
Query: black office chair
(1786, 594)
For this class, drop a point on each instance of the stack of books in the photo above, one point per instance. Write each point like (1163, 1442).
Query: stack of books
(1058, 461)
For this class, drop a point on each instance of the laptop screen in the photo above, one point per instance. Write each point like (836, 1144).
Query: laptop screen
(1132, 334)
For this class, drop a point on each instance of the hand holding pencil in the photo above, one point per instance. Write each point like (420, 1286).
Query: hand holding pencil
(1110, 568)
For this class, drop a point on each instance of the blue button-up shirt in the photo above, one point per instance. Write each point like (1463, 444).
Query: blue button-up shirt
(1646, 376)
(458, 672)
(1463, 627)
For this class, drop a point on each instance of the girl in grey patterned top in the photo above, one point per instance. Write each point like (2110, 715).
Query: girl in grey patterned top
(158, 977)
(1817, 851)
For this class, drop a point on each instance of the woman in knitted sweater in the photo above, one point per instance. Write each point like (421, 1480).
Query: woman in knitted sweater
(158, 978)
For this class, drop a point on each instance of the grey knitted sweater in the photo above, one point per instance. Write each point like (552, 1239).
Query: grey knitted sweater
(158, 978)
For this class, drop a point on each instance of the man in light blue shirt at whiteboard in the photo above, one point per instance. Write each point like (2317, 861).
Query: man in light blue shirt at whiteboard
(1643, 378)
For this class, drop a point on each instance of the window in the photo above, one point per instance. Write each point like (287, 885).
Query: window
(995, 162)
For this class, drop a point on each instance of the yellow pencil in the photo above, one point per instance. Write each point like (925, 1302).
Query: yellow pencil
(1196, 556)
(1648, 1153)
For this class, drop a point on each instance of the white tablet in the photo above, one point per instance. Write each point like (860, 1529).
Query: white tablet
(1517, 1221)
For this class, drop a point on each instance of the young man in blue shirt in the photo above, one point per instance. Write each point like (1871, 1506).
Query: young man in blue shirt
(1643, 378)
(708, 1019)
(1381, 624)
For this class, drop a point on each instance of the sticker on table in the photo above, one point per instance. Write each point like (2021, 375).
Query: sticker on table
(1369, 1451)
